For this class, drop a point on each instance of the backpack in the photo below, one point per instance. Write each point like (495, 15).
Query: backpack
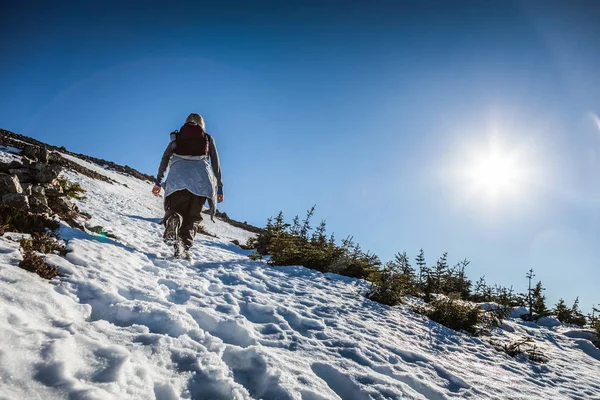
(190, 140)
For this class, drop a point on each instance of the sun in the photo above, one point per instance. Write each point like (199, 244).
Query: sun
(495, 173)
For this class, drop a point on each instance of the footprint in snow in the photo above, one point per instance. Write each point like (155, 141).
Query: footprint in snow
(228, 330)
(249, 367)
(340, 383)
(299, 323)
(258, 313)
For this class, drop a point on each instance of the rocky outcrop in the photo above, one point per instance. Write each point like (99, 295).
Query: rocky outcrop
(243, 225)
(32, 187)
(38, 153)
(57, 159)
(45, 153)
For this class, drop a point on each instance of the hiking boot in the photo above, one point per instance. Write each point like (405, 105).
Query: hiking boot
(186, 255)
(177, 249)
(181, 251)
(172, 229)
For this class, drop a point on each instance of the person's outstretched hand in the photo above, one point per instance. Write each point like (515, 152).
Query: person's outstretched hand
(156, 190)
(220, 198)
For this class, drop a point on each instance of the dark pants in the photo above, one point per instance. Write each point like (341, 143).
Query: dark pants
(189, 207)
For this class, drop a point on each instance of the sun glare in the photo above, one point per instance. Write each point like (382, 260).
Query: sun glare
(494, 172)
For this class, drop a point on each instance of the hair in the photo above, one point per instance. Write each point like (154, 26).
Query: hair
(195, 119)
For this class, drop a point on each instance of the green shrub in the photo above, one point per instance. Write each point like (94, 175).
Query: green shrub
(22, 221)
(299, 244)
(524, 347)
(37, 264)
(596, 327)
(44, 243)
(394, 281)
(454, 314)
(568, 315)
(72, 189)
(493, 317)
(386, 287)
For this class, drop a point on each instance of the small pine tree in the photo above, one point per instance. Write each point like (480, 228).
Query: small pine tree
(593, 317)
(407, 274)
(595, 323)
(422, 265)
(387, 286)
(562, 312)
(529, 277)
(295, 228)
(539, 301)
(461, 284)
(481, 289)
(440, 274)
(318, 237)
(577, 317)
(306, 223)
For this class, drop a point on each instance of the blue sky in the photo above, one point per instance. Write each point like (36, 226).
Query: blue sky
(384, 114)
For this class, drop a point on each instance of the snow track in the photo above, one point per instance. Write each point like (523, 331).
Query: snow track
(128, 322)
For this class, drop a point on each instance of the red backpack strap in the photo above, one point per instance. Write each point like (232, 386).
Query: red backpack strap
(207, 136)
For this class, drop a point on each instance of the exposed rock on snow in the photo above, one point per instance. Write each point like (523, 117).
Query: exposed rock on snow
(10, 185)
(36, 153)
(16, 200)
(46, 173)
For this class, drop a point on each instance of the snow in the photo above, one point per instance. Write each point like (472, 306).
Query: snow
(129, 322)
(8, 154)
(548, 321)
(518, 311)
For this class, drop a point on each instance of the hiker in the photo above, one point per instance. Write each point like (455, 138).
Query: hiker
(191, 182)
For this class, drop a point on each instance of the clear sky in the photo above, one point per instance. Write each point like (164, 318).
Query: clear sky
(466, 126)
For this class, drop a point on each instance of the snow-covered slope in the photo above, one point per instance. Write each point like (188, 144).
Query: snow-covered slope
(128, 322)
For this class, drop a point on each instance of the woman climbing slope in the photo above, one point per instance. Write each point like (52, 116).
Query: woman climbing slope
(194, 177)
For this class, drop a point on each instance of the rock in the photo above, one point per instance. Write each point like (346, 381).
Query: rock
(46, 173)
(52, 192)
(6, 167)
(54, 158)
(39, 206)
(27, 188)
(15, 165)
(39, 193)
(16, 200)
(10, 184)
(36, 153)
(30, 151)
(53, 188)
(63, 207)
(22, 173)
(43, 155)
